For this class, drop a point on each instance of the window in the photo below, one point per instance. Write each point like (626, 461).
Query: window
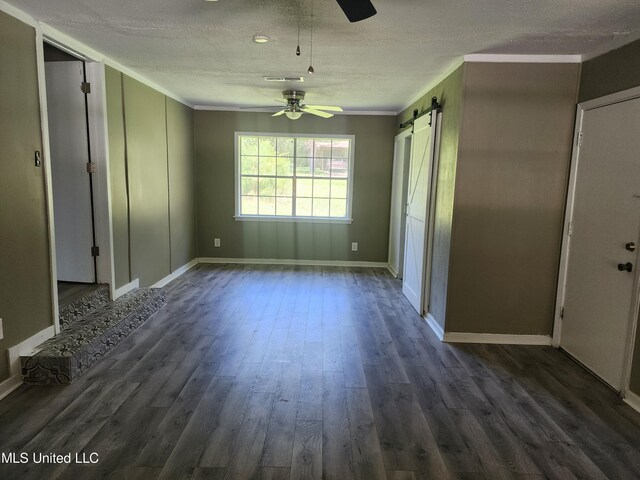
(299, 177)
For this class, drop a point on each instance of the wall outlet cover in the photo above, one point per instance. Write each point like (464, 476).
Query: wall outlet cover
(216, 242)
(354, 246)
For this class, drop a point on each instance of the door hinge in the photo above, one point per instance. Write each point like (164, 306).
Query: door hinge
(91, 167)
(562, 312)
(95, 251)
(580, 139)
(85, 87)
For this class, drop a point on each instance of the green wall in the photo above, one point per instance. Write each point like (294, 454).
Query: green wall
(449, 93)
(152, 181)
(610, 73)
(25, 285)
(504, 162)
(214, 140)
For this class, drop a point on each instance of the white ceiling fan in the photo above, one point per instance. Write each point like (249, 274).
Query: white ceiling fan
(295, 108)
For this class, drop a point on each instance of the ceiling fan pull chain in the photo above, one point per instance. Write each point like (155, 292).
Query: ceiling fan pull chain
(310, 71)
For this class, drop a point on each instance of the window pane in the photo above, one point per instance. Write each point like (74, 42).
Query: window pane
(284, 187)
(267, 165)
(304, 147)
(285, 147)
(338, 189)
(321, 167)
(321, 188)
(249, 185)
(285, 166)
(267, 187)
(338, 208)
(322, 148)
(320, 207)
(284, 206)
(303, 166)
(303, 207)
(340, 149)
(339, 168)
(249, 166)
(249, 145)
(267, 146)
(304, 187)
(249, 206)
(267, 206)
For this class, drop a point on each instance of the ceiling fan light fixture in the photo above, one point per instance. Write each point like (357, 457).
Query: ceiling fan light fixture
(293, 115)
(260, 38)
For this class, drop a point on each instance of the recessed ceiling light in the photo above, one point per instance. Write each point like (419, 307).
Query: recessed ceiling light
(260, 38)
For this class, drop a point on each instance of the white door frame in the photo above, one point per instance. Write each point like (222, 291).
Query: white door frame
(96, 103)
(404, 137)
(618, 97)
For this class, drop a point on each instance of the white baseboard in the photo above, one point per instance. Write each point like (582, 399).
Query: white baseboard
(496, 338)
(126, 288)
(175, 274)
(632, 400)
(392, 271)
(435, 326)
(23, 348)
(9, 385)
(287, 261)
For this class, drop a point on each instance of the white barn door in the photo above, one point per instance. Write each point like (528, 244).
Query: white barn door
(418, 195)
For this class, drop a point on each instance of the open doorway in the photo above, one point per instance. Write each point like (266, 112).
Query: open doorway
(71, 170)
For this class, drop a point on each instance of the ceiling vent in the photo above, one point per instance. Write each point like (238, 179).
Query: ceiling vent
(283, 79)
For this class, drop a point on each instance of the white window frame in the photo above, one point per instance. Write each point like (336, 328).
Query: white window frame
(280, 218)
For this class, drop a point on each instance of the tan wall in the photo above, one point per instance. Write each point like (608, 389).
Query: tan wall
(25, 285)
(214, 135)
(152, 181)
(449, 93)
(610, 73)
(513, 164)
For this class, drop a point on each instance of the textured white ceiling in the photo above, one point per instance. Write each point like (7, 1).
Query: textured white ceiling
(203, 52)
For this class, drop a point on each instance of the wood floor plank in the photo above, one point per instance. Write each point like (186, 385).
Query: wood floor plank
(306, 461)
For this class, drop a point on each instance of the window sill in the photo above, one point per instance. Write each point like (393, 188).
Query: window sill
(262, 218)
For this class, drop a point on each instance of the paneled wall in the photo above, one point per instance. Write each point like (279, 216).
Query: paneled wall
(152, 181)
(25, 286)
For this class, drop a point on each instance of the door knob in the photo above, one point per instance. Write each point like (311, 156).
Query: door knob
(625, 266)
(630, 246)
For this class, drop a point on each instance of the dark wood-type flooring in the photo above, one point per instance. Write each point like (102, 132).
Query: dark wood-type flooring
(274, 372)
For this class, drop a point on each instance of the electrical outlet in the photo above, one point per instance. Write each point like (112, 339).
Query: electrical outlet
(1, 332)
(354, 247)
(216, 242)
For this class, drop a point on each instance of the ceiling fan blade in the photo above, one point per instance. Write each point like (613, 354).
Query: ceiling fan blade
(317, 112)
(357, 10)
(325, 107)
(281, 112)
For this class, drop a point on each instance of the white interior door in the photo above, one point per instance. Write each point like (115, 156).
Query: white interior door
(397, 220)
(418, 193)
(69, 156)
(599, 298)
